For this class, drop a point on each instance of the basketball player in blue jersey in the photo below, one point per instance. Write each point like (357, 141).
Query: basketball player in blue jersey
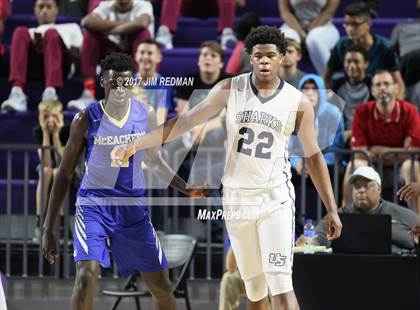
(262, 111)
(110, 198)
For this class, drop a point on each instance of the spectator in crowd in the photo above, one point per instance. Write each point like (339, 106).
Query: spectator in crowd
(309, 21)
(329, 125)
(382, 125)
(357, 23)
(213, 133)
(406, 39)
(210, 66)
(113, 26)
(171, 10)
(288, 69)
(354, 87)
(329, 129)
(366, 193)
(50, 132)
(48, 50)
(232, 287)
(150, 88)
(5, 11)
(239, 60)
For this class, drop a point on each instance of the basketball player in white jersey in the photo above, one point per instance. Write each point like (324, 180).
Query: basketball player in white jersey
(262, 112)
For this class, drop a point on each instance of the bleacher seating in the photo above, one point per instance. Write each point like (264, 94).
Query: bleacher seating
(177, 62)
(269, 8)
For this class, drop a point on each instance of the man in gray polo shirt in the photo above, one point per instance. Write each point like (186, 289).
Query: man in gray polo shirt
(367, 200)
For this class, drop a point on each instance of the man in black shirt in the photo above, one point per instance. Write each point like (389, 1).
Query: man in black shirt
(210, 66)
(213, 133)
(357, 23)
(354, 87)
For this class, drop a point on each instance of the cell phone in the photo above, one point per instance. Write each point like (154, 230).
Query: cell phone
(37, 35)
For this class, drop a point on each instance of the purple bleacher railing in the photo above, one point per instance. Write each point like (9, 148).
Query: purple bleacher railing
(10, 149)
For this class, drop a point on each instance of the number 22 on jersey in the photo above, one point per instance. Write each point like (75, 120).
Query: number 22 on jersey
(263, 142)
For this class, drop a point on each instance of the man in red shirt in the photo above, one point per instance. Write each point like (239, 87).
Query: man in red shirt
(383, 125)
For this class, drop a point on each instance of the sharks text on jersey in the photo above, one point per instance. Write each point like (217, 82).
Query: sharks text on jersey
(260, 117)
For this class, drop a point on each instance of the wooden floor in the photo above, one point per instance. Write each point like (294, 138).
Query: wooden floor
(47, 294)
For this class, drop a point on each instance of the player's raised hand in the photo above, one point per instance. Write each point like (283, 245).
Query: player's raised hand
(334, 225)
(49, 246)
(121, 153)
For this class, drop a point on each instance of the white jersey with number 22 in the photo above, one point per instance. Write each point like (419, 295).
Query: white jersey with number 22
(258, 133)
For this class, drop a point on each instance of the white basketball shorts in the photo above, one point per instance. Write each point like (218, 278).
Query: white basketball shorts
(263, 239)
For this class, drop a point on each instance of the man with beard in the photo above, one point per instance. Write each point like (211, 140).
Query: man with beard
(383, 125)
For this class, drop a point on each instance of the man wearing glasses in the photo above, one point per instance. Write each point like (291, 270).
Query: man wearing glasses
(383, 125)
(367, 199)
(357, 23)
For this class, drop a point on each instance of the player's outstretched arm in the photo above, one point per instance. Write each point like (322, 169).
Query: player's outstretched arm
(174, 128)
(72, 152)
(154, 160)
(316, 166)
(161, 169)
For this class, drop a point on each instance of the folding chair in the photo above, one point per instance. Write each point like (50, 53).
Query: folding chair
(179, 251)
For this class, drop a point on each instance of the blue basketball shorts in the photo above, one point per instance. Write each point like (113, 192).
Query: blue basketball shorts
(125, 230)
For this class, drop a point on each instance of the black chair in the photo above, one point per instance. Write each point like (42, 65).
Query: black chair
(179, 251)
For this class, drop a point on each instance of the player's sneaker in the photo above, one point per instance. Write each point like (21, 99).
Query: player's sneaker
(228, 39)
(17, 101)
(164, 37)
(82, 102)
(49, 94)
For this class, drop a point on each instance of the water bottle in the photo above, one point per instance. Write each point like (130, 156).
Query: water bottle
(309, 234)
